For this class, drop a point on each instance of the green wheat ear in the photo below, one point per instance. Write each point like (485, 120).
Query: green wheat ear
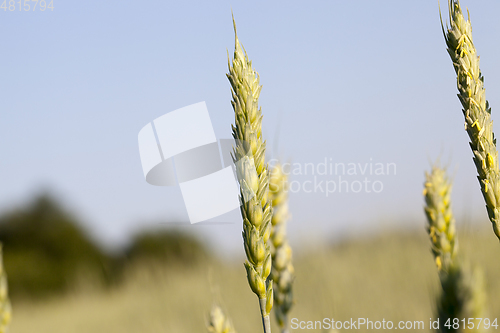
(253, 176)
(218, 322)
(5, 307)
(463, 295)
(462, 288)
(282, 272)
(441, 223)
(476, 109)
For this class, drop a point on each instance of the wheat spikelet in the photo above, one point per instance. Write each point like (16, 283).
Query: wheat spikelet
(441, 223)
(476, 110)
(218, 322)
(282, 271)
(5, 307)
(253, 176)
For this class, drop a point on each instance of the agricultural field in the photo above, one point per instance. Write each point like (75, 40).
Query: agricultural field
(390, 275)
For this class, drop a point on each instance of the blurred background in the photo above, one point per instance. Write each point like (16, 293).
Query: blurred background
(90, 246)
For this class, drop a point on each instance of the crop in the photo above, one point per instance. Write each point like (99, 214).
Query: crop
(218, 322)
(476, 109)
(253, 176)
(441, 223)
(462, 287)
(282, 271)
(5, 308)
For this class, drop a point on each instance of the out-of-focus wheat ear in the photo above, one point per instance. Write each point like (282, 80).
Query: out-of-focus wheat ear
(476, 110)
(253, 176)
(463, 296)
(5, 307)
(218, 322)
(462, 293)
(282, 271)
(440, 221)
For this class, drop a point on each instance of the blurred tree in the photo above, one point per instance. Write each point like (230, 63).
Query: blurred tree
(168, 247)
(45, 250)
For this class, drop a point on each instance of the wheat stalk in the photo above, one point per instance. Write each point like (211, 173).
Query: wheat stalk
(476, 109)
(462, 289)
(218, 322)
(463, 295)
(5, 307)
(282, 271)
(253, 176)
(441, 223)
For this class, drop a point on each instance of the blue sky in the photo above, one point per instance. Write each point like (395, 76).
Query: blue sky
(354, 82)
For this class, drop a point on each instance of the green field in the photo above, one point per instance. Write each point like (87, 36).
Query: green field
(389, 276)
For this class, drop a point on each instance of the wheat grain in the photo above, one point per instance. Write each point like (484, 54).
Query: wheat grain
(282, 271)
(476, 110)
(253, 176)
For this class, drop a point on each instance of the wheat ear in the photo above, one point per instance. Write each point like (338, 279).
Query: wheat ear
(463, 295)
(441, 223)
(253, 176)
(282, 271)
(476, 109)
(462, 289)
(218, 322)
(5, 307)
